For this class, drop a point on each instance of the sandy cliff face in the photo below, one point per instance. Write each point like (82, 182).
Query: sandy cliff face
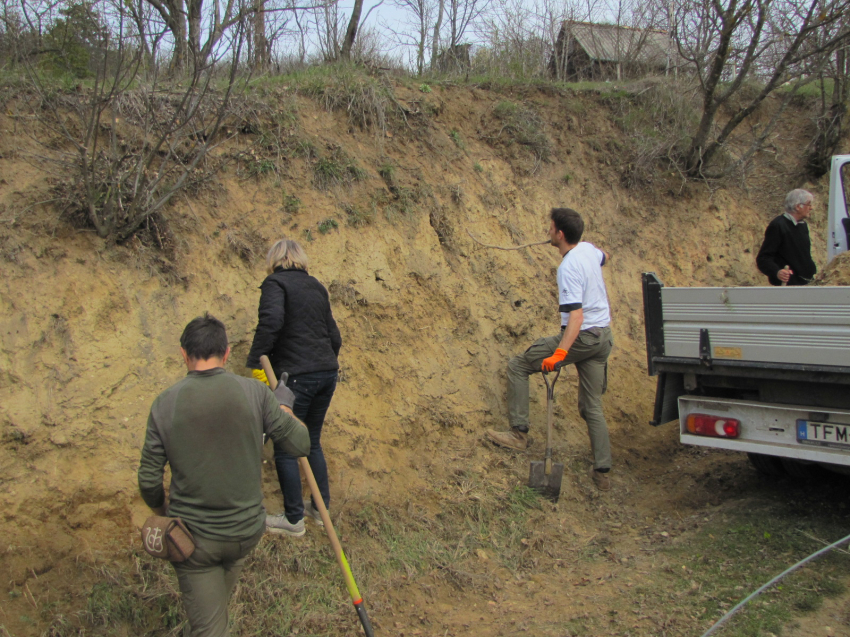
(429, 316)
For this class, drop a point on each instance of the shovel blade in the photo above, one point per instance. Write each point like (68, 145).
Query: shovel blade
(549, 486)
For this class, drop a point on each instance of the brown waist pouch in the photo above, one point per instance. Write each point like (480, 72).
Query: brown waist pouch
(167, 538)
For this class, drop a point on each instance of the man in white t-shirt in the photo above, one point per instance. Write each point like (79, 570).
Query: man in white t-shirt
(585, 341)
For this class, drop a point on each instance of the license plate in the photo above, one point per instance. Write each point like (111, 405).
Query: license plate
(826, 434)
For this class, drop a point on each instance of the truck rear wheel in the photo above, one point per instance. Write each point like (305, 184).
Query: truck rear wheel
(767, 465)
(802, 470)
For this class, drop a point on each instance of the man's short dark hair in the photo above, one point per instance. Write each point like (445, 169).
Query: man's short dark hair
(569, 222)
(204, 337)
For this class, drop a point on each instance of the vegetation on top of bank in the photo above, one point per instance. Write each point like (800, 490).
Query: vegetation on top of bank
(135, 107)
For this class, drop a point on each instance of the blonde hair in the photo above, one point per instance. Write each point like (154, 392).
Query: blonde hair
(286, 254)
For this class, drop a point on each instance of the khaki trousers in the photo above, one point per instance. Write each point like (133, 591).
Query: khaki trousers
(207, 580)
(589, 353)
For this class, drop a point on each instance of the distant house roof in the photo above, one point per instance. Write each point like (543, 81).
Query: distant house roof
(611, 43)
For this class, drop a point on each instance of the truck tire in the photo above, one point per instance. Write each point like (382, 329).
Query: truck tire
(767, 465)
(801, 469)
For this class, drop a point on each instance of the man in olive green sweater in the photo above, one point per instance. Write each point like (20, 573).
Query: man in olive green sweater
(209, 428)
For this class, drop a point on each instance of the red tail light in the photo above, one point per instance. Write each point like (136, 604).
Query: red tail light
(705, 425)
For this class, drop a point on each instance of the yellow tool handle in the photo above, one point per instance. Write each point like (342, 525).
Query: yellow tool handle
(319, 503)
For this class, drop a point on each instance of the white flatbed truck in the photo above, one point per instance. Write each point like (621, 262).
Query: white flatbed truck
(763, 370)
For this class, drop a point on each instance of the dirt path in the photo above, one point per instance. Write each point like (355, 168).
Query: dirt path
(591, 565)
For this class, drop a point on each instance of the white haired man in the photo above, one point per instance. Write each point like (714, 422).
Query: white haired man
(786, 253)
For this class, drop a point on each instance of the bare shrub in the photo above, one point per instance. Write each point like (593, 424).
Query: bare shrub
(657, 120)
(523, 126)
(342, 87)
(277, 135)
(245, 242)
(128, 146)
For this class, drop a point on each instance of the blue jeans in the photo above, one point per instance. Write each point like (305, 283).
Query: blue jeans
(313, 393)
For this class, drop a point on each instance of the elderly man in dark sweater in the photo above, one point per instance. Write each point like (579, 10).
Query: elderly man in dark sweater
(785, 255)
(209, 428)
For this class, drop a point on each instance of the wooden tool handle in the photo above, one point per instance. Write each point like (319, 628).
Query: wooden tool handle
(319, 503)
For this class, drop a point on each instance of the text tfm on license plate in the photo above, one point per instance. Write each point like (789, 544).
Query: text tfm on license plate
(828, 434)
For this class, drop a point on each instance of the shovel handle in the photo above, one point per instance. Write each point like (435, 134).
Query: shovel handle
(319, 503)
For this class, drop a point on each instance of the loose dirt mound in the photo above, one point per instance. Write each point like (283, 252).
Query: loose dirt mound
(429, 317)
(838, 271)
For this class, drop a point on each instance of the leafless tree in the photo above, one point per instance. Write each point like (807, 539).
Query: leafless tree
(302, 21)
(25, 24)
(830, 124)
(764, 43)
(149, 33)
(329, 22)
(351, 30)
(15, 39)
(435, 38)
(197, 28)
(260, 53)
(513, 45)
(130, 148)
(419, 14)
(461, 15)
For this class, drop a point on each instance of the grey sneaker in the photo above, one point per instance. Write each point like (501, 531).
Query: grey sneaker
(279, 524)
(310, 512)
(601, 480)
(512, 438)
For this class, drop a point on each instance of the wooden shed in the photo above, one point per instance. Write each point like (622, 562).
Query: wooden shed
(586, 51)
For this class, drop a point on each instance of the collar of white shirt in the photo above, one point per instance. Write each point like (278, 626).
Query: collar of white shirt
(792, 219)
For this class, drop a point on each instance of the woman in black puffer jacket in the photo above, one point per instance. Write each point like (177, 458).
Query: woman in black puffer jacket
(297, 331)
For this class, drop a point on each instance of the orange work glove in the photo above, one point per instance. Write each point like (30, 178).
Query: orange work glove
(554, 359)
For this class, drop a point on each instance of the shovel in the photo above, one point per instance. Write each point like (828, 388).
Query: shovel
(319, 503)
(545, 477)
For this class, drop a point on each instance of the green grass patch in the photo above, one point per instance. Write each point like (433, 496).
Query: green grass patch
(504, 109)
(336, 169)
(257, 167)
(357, 216)
(290, 203)
(454, 134)
(387, 171)
(327, 225)
(368, 102)
(290, 588)
(722, 564)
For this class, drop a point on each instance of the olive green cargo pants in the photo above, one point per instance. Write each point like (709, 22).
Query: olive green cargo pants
(207, 580)
(589, 353)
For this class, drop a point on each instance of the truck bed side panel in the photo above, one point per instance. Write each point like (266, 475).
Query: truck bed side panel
(796, 325)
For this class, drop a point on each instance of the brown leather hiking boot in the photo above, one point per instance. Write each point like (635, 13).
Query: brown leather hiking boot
(601, 480)
(512, 438)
